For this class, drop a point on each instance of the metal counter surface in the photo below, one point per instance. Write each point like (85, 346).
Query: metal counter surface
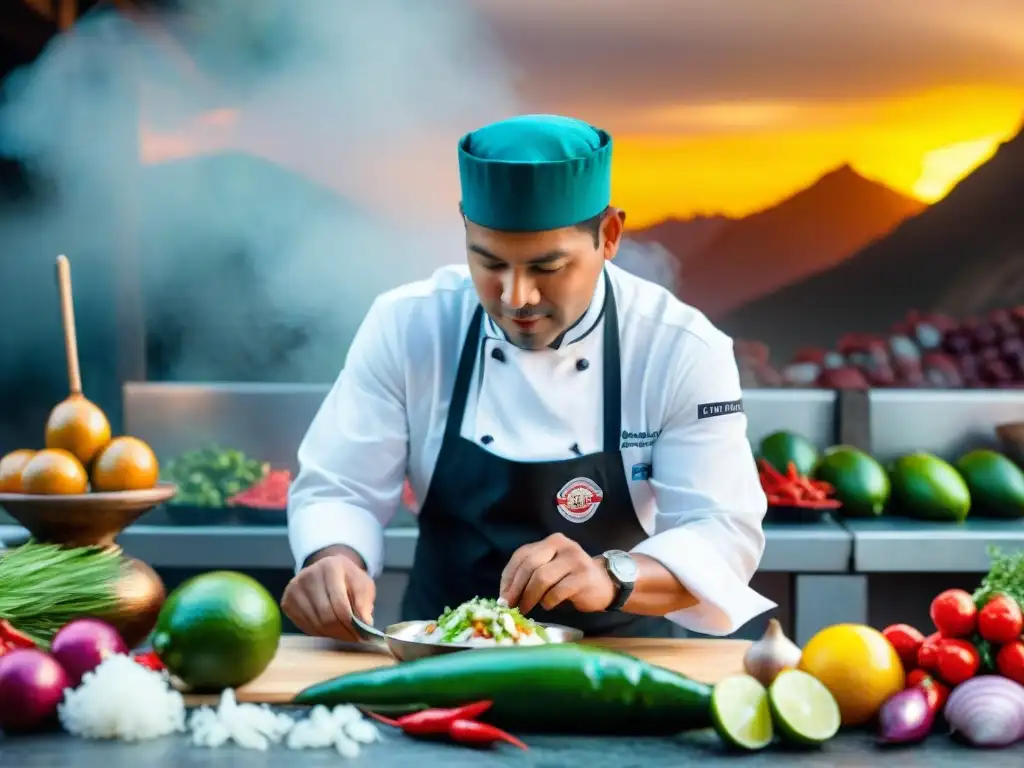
(902, 545)
(852, 750)
(795, 548)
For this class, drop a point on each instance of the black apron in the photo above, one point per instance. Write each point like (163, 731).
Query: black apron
(480, 508)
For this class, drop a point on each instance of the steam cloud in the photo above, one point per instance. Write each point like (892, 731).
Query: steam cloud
(364, 100)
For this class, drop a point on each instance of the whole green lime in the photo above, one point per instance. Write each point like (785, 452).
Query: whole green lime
(218, 630)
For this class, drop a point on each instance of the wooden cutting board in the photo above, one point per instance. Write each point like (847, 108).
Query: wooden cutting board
(303, 661)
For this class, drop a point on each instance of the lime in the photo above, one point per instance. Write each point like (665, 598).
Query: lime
(781, 448)
(803, 709)
(740, 713)
(861, 483)
(218, 630)
(926, 487)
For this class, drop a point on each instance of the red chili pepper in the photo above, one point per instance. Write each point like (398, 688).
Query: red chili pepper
(13, 638)
(480, 734)
(771, 474)
(432, 722)
(149, 660)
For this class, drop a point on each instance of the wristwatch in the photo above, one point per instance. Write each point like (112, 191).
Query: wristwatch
(623, 570)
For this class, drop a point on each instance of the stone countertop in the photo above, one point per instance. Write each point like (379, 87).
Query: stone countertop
(853, 750)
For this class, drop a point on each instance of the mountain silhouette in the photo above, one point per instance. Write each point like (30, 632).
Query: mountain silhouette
(683, 237)
(809, 232)
(963, 256)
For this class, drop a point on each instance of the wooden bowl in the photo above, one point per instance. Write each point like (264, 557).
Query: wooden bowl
(1012, 438)
(82, 520)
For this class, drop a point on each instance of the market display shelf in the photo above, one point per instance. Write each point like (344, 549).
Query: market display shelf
(795, 548)
(902, 545)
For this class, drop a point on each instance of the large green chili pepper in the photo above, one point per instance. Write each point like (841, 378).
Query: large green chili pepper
(566, 688)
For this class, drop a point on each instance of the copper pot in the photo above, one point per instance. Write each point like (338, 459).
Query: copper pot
(95, 519)
(140, 596)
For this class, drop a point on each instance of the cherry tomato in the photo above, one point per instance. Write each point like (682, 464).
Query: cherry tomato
(906, 640)
(915, 677)
(926, 654)
(1010, 661)
(937, 693)
(953, 612)
(1001, 620)
(957, 660)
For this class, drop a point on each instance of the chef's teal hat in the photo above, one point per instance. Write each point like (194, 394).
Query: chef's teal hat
(535, 172)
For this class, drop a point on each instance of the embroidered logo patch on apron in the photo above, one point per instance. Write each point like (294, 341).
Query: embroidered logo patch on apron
(579, 499)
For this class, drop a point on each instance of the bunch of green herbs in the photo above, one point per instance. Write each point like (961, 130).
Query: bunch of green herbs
(44, 586)
(1005, 577)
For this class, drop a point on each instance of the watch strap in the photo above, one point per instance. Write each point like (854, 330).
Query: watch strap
(624, 591)
(623, 588)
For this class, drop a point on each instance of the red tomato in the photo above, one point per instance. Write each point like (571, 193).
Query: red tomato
(1001, 620)
(954, 613)
(906, 640)
(937, 693)
(926, 654)
(957, 661)
(1010, 661)
(915, 677)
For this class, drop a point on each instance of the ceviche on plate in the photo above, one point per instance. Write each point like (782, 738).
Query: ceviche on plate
(483, 621)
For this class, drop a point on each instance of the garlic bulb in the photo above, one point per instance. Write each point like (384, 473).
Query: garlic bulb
(770, 655)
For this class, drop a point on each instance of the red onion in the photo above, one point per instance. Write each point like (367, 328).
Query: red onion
(81, 645)
(32, 684)
(987, 711)
(905, 717)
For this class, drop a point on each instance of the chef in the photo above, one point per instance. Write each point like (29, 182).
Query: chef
(576, 434)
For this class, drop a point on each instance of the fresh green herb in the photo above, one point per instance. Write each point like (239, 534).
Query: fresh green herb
(985, 653)
(44, 586)
(208, 477)
(1005, 576)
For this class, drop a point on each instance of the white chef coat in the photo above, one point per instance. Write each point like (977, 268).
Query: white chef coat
(693, 481)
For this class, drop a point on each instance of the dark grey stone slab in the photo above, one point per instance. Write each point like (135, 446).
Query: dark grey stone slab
(847, 751)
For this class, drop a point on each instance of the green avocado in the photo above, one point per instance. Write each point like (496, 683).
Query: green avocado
(928, 488)
(781, 448)
(995, 482)
(861, 483)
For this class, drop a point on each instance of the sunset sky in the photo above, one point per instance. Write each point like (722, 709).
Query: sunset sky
(728, 105)
(716, 105)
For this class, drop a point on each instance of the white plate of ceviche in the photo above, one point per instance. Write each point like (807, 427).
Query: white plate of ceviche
(477, 623)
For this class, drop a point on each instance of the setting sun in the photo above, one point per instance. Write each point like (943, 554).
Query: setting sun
(942, 168)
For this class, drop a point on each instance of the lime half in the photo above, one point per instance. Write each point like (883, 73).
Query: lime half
(803, 709)
(740, 713)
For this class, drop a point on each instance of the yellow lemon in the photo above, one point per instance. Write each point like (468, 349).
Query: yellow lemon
(858, 666)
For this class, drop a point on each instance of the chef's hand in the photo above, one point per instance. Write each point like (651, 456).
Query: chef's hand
(553, 571)
(321, 598)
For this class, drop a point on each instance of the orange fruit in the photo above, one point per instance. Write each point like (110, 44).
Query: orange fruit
(126, 464)
(858, 666)
(78, 426)
(11, 466)
(54, 472)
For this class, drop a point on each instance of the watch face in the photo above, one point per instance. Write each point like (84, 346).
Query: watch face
(622, 566)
